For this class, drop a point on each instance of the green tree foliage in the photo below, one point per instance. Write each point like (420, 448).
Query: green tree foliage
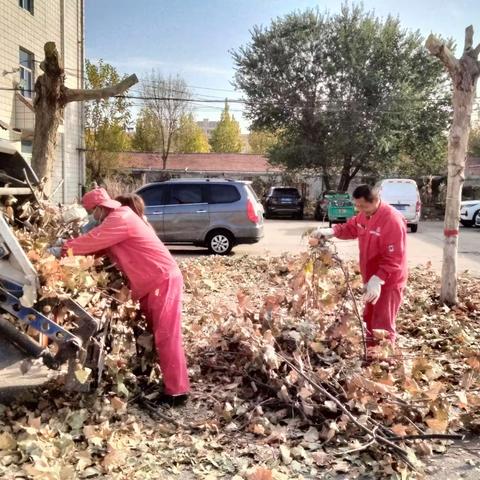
(474, 142)
(106, 123)
(350, 92)
(226, 135)
(261, 141)
(190, 138)
(145, 138)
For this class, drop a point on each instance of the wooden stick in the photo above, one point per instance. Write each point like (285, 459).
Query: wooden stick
(379, 438)
(428, 436)
(167, 418)
(355, 305)
(31, 187)
(359, 449)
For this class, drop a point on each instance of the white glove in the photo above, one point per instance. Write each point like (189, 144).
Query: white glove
(322, 233)
(373, 290)
(74, 213)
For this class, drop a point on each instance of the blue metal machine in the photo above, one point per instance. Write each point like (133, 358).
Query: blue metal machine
(19, 286)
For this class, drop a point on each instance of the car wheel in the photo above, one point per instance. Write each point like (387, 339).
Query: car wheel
(475, 216)
(414, 227)
(220, 242)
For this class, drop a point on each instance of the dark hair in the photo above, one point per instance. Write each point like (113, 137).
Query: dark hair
(366, 192)
(133, 201)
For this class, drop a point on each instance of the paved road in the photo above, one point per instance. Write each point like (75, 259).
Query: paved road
(424, 246)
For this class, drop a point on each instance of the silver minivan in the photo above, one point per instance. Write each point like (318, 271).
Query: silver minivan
(215, 213)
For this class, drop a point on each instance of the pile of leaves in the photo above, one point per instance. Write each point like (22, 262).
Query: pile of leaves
(280, 389)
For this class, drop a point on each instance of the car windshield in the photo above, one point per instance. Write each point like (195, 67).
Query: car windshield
(277, 192)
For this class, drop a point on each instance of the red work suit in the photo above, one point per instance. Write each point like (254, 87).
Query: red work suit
(155, 280)
(382, 244)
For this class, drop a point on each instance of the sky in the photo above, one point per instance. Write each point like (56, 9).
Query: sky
(194, 38)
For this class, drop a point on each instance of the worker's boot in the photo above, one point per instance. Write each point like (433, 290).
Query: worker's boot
(171, 400)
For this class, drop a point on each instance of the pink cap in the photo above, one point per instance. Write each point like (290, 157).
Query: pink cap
(99, 198)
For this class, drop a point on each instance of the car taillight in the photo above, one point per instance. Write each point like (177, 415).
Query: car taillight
(251, 212)
(419, 205)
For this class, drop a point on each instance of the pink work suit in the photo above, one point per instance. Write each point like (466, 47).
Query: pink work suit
(382, 243)
(155, 280)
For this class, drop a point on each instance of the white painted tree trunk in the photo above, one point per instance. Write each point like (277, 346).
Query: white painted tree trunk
(464, 73)
(457, 148)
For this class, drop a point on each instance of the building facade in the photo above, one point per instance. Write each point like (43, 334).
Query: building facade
(208, 126)
(25, 27)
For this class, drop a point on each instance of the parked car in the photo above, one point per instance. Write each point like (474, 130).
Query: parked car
(283, 201)
(470, 213)
(477, 221)
(334, 207)
(215, 213)
(402, 194)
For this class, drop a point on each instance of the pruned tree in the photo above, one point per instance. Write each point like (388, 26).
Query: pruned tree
(167, 102)
(51, 97)
(464, 73)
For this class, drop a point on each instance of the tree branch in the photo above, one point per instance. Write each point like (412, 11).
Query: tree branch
(442, 52)
(476, 51)
(468, 38)
(78, 95)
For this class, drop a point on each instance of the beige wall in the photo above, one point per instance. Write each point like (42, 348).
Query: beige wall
(52, 20)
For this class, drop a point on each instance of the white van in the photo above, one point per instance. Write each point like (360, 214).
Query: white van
(402, 194)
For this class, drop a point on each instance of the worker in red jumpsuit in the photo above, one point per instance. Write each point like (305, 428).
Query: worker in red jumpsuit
(154, 277)
(381, 231)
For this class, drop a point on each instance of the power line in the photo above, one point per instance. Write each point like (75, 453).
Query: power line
(76, 72)
(328, 104)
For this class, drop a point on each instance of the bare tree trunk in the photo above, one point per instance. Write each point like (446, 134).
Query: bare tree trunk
(457, 147)
(464, 73)
(345, 178)
(48, 113)
(347, 175)
(51, 96)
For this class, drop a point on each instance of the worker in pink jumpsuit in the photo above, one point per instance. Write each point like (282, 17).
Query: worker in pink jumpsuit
(154, 277)
(381, 231)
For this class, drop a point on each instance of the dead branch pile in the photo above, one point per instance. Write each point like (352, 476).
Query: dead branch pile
(280, 390)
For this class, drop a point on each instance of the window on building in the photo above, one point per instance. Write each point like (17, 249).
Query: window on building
(27, 5)
(26, 73)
